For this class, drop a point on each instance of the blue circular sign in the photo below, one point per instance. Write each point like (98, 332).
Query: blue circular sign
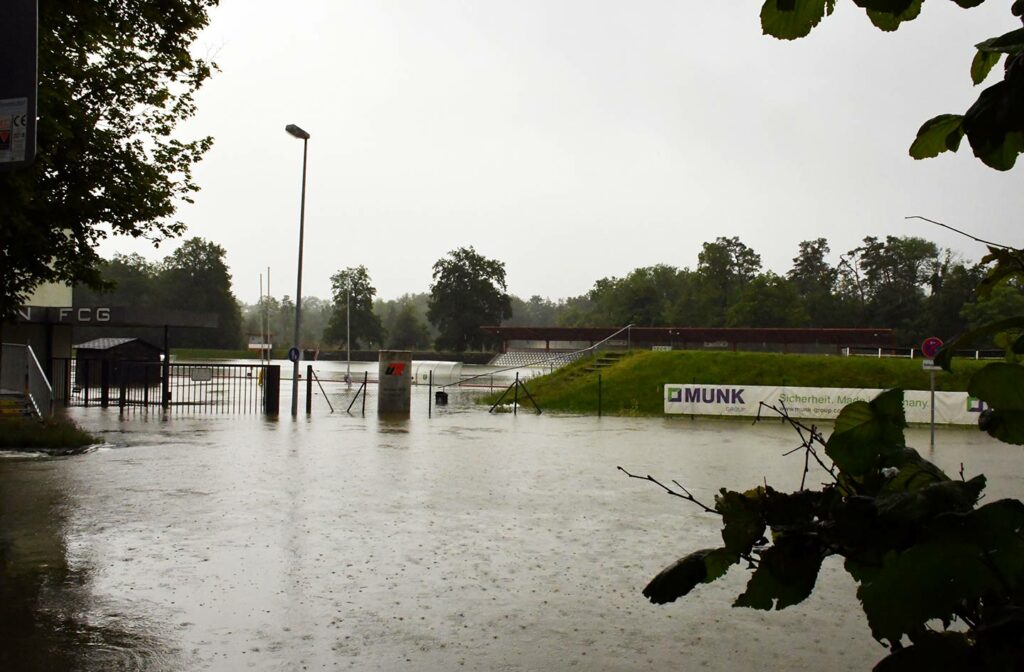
(293, 355)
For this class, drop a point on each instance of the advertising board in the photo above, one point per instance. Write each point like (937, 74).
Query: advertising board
(812, 403)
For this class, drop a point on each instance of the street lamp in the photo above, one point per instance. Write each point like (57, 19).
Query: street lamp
(348, 333)
(304, 136)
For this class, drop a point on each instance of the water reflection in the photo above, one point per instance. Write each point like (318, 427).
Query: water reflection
(49, 617)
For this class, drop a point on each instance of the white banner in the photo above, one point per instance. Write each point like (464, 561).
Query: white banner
(814, 403)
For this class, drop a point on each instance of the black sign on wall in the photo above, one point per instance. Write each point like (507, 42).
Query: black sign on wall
(18, 82)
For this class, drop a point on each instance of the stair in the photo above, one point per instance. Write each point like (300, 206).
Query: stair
(15, 405)
(602, 361)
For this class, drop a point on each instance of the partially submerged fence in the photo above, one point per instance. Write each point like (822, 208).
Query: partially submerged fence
(185, 387)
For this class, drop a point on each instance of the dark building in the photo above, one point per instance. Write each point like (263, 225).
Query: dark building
(128, 361)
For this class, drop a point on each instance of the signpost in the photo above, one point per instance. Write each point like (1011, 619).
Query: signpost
(929, 348)
(18, 83)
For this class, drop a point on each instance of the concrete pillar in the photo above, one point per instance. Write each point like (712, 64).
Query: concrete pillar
(394, 389)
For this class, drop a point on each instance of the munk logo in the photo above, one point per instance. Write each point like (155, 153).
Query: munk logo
(675, 394)
(395, 369)
(975, 405)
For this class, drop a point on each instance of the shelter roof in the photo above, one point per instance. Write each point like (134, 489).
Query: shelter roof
(108, 343)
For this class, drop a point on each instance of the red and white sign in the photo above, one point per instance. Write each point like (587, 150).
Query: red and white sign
(931, 346)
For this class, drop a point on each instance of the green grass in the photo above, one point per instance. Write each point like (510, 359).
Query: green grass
(57, 433)
(634, 385)
(183, 354)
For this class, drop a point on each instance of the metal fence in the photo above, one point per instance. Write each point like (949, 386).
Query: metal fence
(193, 388)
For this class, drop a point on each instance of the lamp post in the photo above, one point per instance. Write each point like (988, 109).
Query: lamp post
(348, 333)
(304, 136)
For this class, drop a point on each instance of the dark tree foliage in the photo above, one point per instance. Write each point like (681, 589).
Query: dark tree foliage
(195, 277)
(115, 79)
(907, 284)
(468, 292)
(994, 124)
(408, 332)
(351, 290)
(768, 301)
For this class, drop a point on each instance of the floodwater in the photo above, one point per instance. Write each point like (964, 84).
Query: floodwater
(461, 541)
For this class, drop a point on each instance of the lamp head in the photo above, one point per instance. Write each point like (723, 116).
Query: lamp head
(297, 132)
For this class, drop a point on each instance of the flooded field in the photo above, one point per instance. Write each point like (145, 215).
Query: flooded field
(462, 541)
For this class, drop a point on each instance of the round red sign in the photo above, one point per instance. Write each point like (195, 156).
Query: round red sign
(931, 347)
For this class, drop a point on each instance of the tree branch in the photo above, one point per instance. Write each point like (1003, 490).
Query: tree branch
(962, 233)
(685, 494)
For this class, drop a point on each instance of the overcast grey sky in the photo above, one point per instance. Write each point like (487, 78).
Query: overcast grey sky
(575, 140)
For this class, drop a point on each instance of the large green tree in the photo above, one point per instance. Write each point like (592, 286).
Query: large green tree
(115, 80)
(352, 299)
(196, 277)
(468, 292)
(994, 124)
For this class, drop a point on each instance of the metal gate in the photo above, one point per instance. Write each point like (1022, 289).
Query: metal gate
(189, 388)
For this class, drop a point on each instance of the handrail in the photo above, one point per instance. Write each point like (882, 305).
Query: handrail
(36, 385)
(543, 361)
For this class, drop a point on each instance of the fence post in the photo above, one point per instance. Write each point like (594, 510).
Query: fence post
(165, 373)
(105, 383)
(309, 389)
(272, 389)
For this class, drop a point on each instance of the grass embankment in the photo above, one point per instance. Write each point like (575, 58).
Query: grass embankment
(183, 354)
(634, 383)
(53, 434)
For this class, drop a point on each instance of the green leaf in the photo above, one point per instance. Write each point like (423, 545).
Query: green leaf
(867, 431)
(915, 507)
(940, 134)
(1009, 43)
(792, 19)
(1000, 385)
(945, 356)
(890, 20)
(1000, 155)
(786, 574)
(1009, 262)
(961, 558)
(927, 581)
(914, 475)
(947, 651)
(744, 525)
(982, 64)
(1005, 425)
(682, 576)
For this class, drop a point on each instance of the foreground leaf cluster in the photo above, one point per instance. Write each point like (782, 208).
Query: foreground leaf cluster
(939, 577)
(994, 124)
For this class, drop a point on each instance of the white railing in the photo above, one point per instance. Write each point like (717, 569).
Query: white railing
(549, 360)
(20, 373)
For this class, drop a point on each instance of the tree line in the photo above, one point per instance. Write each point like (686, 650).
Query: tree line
(908, 284)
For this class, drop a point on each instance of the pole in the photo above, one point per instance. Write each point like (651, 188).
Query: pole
(430, 394)
(348, 334)
(365, 375)
(599, 395)
(298, 286)
(309, 389)
(515, 398)
(931, 375)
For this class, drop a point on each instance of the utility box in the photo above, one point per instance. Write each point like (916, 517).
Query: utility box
(394, 389)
